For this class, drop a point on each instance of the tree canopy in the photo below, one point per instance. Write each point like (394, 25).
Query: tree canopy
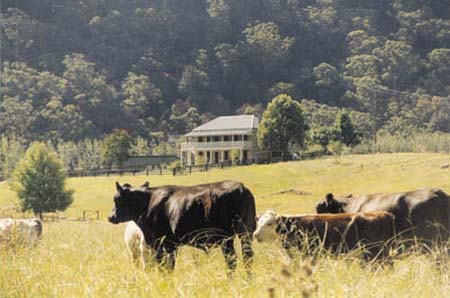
(39, 180)
(80, 69)
(282, 125)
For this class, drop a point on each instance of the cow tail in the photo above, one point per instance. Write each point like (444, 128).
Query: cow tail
(445, 211)
(245, 221)
(244, 224)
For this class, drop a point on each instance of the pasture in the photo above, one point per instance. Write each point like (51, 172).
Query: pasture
(89, 259)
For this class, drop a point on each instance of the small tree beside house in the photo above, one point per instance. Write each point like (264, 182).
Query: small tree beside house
(282, 125)
(39, 180)
(116, 147)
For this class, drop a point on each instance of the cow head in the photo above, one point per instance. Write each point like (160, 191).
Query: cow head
(266, 226)
(330, 205)
(129, 203)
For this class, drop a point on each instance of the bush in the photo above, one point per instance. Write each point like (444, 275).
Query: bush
(199, 159)
(335, 147)
(176, 165)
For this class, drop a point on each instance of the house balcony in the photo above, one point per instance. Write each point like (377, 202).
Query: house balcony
(198, 146)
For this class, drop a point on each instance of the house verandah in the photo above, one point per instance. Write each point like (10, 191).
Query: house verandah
(224, 139)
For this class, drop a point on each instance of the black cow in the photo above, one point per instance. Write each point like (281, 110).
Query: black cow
(201, 216)
(423, 213)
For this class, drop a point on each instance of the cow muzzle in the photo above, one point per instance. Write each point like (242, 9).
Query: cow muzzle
(112, 218)
(258, 237)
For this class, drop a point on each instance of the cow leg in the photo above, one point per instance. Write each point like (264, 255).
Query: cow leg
(134, 252)
(165, 256)
(247, 251)
(146, 252)
(229, 253)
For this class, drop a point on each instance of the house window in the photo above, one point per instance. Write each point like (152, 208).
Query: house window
(200, 153)
(225, 155)
(216, 139)
(245, 137)
(226, 138)
(237, 138)
(208, 139)
(200, 139)
(208, 156)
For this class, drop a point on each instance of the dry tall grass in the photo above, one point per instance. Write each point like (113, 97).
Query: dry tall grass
(77, 259)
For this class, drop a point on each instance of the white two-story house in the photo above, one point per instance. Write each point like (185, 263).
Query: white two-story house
(223, 139)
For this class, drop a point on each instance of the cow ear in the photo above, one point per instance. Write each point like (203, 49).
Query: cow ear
(118, 187)
(349, 196)
(146, 184)
(330, 198)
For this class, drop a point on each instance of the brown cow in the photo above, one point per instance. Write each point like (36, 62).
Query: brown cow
(336, 232)
(423, 213)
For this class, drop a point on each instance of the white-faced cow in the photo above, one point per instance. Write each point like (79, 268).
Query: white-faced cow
(136, 245)
(423, 213)
(20, 231)
(201, 216)
(335, 232)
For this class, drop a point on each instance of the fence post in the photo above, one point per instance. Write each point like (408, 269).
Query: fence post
(221, 164)
(146, 171)
(174, 171)
(98, 215)
(160, 170)
(190, 169)
(134, 172)
(84, 215)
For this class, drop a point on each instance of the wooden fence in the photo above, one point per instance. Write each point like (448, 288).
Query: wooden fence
(156, 170)
(14, 211)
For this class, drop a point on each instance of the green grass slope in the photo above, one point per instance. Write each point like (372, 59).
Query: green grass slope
(342, 175)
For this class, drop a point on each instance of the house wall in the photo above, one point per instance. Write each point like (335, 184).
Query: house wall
(191, 149)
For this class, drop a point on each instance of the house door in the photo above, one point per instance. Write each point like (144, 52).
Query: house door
(245, 155)
(216, 157)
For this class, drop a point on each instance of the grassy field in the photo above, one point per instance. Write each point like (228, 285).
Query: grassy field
(88, 259)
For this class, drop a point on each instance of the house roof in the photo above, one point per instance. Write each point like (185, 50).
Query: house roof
(227, 125)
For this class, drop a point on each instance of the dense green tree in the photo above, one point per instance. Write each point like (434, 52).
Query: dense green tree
(184, 117)
(437, 80)
(267, 48)
(321, 136)
(91, 92)
(399, 64)
(116, 148)
(142, 101)
(347, 134)
(329, 82)
(39, 180)
(360, 42)
(282, 125)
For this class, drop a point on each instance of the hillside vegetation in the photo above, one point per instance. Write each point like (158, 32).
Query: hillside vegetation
(78, 69)
(89, 259)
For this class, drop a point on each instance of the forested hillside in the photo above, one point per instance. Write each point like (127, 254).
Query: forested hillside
(78, 69)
